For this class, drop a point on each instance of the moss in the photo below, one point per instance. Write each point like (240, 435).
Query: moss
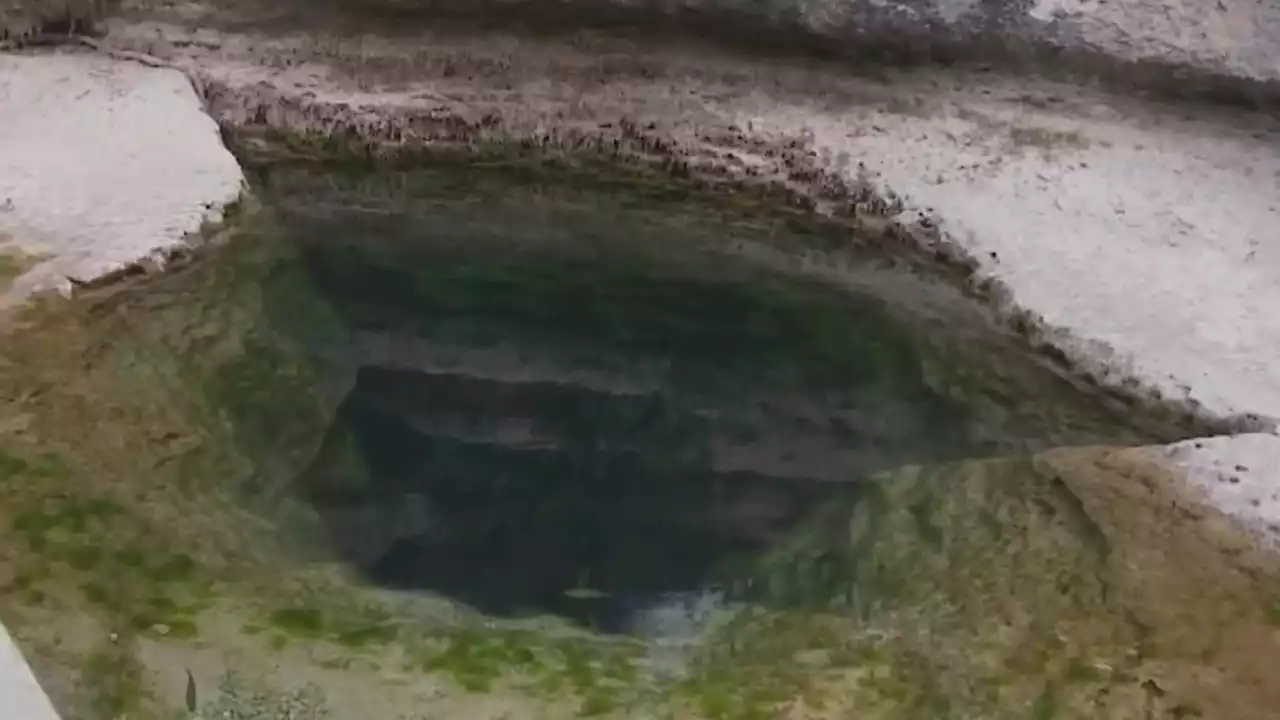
(11, 466)
(1079, 671)
(172, 568)
(142, 621)
(130, 558)
(61, 529)
(181, 629)
(116, 682)
(14, 263)
(749, 665)
(1272, 612)
(598, 673)
(1045, 707)
(34, 523)
(14, 465)
(473, 660)
(359, 637)
(261, 392)
(9, 269)
(718, 702)
(269, 393)
(96, 594)
(475, 680)
(163, 605)
(85, 557)
(131, 525)
(23, 579)
(101, 508)
(306, 622)
(164, 616)
(596, 704)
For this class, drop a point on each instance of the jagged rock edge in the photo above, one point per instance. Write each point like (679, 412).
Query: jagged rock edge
(33, 23)
(885, 33)
(796, 179)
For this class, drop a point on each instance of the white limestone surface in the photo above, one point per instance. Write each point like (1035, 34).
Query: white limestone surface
(21, 697)
(102, 163)
(1149, 236)
(1239, 474)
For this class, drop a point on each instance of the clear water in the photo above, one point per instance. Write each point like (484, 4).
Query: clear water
(606, 406)
(552, 445)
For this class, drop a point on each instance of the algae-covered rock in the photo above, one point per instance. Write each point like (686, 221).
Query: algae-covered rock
(1073, 584)
(137, 424)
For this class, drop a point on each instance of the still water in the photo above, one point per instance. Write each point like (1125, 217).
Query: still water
(467, 442)
(600, 405)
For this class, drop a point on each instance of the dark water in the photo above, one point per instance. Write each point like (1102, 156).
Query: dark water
(573, 402)
(584, 506)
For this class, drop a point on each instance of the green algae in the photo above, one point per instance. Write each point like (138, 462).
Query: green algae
(213, 367)
(114, 470)
(299, 621)
(116, 682)
(604, 675)
(13, 263)
(1025, 606)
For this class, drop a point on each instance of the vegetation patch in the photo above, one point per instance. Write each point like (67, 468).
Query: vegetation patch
(299, 621)
(600, 673)
(116, 682)
(14, 263)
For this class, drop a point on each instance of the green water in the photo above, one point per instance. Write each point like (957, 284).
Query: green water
(583, 446)
(575, 401)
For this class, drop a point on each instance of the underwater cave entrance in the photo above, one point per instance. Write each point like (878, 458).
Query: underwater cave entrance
(521, 498)
(593, 404)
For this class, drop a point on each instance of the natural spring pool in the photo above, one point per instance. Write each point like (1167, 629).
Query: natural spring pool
(469, 441)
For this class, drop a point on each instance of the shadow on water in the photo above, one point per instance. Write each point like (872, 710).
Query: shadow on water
(569, 402)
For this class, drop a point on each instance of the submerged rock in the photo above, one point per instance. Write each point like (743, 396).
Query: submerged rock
(1082, 579)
